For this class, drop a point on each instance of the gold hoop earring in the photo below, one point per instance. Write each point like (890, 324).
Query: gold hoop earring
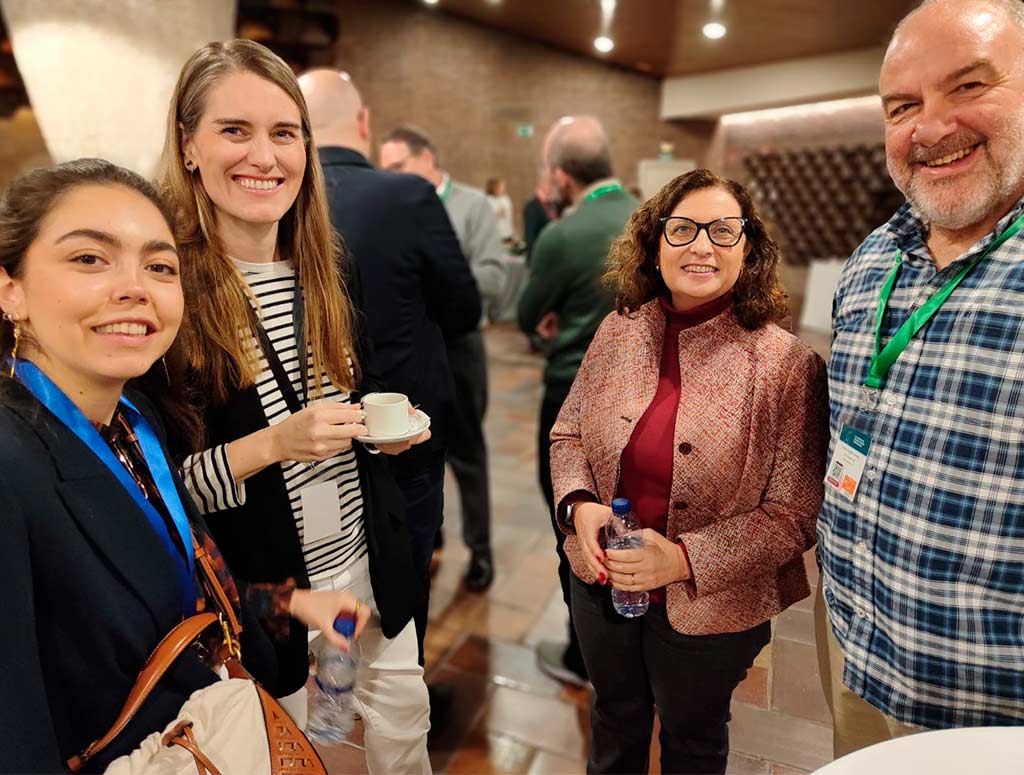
(17, 339)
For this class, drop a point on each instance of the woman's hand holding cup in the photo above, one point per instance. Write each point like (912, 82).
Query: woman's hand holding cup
(318, 432)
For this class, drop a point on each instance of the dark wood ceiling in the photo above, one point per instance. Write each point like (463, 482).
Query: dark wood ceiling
(663, 37)
(659, 37)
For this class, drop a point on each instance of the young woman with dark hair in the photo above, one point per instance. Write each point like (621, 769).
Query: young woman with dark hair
(97, 557)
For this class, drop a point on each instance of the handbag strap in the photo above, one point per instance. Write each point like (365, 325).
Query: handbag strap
(216, 594)
(171, 647)
(163, 656)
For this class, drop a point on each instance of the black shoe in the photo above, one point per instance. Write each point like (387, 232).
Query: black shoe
(442, 697)
(481, 572)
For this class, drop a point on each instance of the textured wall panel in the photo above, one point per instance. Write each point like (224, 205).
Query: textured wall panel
(99, 73)
(470, 88)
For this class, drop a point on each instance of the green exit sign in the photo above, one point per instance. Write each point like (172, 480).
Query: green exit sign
(524, 130)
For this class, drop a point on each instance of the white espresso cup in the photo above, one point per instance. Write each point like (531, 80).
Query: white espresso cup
(387, 414)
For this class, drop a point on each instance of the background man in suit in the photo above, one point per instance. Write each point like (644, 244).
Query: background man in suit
(407, 149)
(417, 287)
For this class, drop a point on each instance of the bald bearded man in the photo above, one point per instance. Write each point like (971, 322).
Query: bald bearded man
(921, 609)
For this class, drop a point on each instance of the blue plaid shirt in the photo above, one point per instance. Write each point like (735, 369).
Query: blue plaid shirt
(924, 573)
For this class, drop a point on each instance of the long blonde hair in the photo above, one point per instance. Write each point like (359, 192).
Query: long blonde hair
(218, 298)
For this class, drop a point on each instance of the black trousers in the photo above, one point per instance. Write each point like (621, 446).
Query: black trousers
(467, 450)
(638, 664)
(424, 511)
(554, 396)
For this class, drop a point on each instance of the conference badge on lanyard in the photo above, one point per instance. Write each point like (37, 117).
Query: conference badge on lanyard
(846, 468)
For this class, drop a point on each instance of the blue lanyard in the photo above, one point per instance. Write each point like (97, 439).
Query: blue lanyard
(61, 406)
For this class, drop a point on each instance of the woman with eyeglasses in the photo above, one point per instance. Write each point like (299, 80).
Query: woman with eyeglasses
(712, 420)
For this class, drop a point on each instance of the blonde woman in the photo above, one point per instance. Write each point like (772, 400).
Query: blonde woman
(273, 353)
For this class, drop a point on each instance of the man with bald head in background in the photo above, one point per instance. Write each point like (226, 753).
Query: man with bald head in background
(417, 285)
(921, 536)
(564, 302)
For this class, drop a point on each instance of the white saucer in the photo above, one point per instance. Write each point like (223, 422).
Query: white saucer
(418, 423)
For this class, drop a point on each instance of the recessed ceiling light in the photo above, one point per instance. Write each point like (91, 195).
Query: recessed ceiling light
(604, 44)
(714, 30)
(431, 2)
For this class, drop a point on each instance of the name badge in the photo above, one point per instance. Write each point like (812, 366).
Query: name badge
(846, 467)
(321, 512)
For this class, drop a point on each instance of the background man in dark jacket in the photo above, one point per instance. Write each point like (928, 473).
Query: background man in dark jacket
(407, 149)
(417, 286)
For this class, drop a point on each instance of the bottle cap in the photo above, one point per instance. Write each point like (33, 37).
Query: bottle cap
(620, 506)
(345, 626)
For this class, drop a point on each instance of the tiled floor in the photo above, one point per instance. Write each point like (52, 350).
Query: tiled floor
(510, 718)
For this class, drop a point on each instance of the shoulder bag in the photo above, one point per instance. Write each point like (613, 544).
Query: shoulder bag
(233, 727)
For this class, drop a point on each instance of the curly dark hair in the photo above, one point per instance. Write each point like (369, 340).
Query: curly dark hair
(635, 279)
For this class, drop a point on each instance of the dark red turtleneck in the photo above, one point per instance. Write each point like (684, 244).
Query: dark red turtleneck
(645, 468)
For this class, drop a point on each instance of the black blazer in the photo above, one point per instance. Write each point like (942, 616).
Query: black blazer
(418, 287)
(89, 592)
(259, 539)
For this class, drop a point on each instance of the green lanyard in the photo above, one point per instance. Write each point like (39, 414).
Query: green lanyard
(447, 190)
(599, 192)
(885, 357)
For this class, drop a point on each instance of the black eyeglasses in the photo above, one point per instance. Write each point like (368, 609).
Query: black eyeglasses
(724, 232)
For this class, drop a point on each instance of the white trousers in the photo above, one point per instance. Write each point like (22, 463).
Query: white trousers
(390, 694)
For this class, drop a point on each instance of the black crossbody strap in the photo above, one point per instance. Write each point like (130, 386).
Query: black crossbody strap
(291, 398)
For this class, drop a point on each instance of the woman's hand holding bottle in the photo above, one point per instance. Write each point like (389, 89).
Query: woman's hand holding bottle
(318, 610)
(589, 520)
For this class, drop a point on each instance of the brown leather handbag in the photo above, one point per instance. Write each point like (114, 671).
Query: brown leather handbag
(233, 727)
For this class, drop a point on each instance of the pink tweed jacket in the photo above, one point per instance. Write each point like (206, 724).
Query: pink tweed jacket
(750, 444)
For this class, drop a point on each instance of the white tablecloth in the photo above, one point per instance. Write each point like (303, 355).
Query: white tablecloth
(973, 751)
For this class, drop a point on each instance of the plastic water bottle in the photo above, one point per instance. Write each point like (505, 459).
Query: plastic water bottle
(331, 715)
(624, 532)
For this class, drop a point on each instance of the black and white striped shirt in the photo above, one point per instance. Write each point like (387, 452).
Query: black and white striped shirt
(208, 475)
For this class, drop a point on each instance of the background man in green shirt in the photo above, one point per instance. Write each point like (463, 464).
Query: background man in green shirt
(565, 303)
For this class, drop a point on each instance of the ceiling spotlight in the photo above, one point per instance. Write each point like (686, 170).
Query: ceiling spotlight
(714, 30)
(431, 2)
(604, 44)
